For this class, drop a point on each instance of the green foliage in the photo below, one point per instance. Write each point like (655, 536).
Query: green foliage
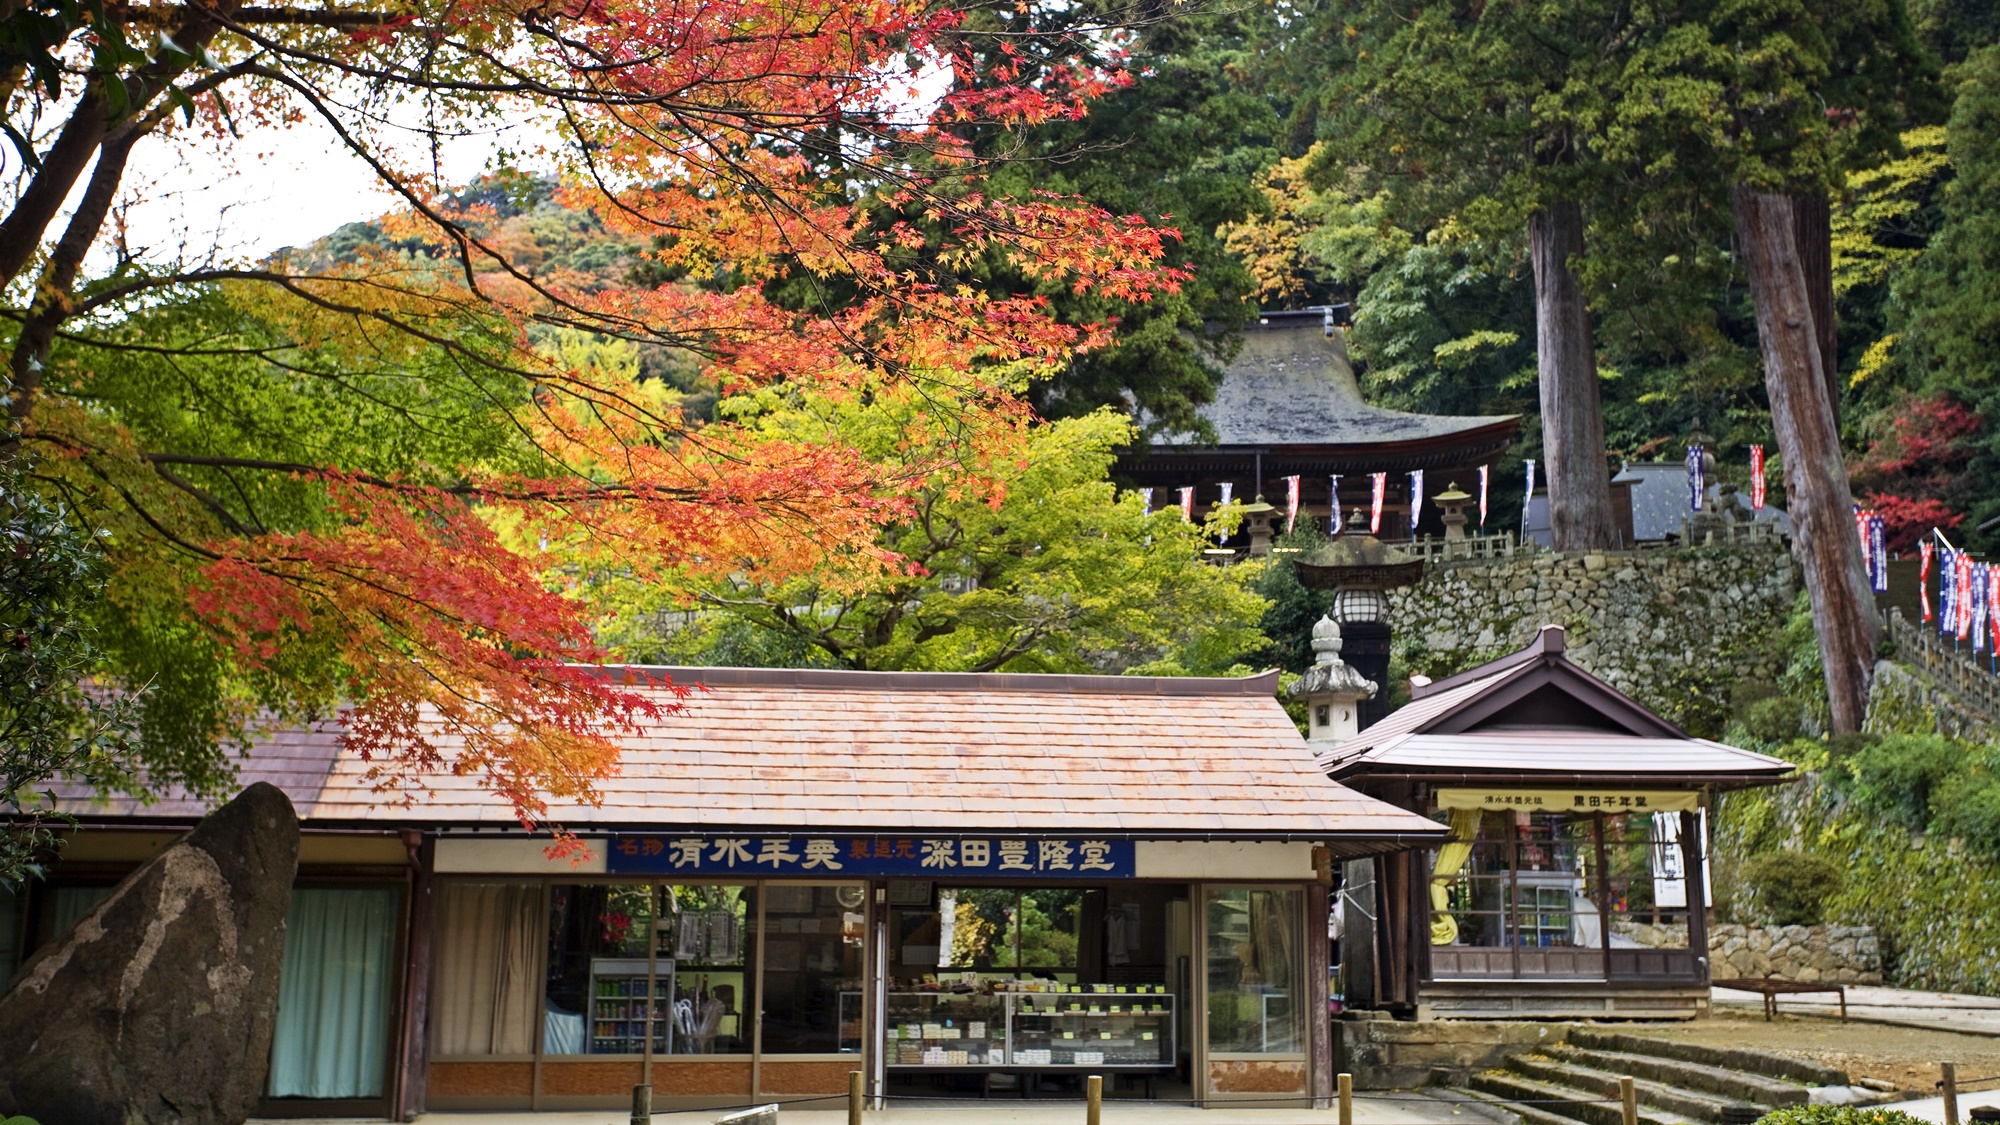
(1838, 1115)
(55, 726)
(1897, 778)
(1792, 888)
(1047, 570)
(1946, 305)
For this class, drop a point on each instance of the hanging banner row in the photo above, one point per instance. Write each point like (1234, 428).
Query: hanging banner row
(1039, 856)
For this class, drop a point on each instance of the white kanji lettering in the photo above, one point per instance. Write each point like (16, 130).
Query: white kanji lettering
(1054, 855)
(777, 853)
(729, 851)
(1014, 856)
(687, 853)
(975, 853)
(1096, 856)
(822, 853)
(940, 853)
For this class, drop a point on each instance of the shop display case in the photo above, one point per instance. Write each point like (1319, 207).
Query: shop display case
(1129, 1028)
(1093, 1028)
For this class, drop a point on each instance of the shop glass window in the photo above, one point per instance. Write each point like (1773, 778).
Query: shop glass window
(596, 1000)
(1645, 881)
(1512, 879)
(1004, 931)
(1256, 994)
(813, 956)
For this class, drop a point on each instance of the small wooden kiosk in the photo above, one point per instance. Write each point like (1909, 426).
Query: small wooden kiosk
(1572, 882)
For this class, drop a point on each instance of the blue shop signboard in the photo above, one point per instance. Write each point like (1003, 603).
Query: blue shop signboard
(860, 856)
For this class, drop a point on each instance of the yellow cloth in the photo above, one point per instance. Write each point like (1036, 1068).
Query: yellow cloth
(1451, 860)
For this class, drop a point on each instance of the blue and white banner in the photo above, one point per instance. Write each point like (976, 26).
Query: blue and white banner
(1336, 523)
(1416, 499)
(1696, 489)
(1044, 857)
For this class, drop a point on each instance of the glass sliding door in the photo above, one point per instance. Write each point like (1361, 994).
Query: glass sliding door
(335, 993)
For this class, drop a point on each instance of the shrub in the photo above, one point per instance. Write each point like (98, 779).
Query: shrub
(1792, 887)
(1895, 778)
(1839, 1115)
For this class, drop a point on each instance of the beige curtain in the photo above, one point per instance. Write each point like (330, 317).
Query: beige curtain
(484, 995)
(1451, 860)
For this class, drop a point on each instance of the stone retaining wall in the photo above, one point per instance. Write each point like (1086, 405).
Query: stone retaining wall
(1387, 1054)
(1829, 954)
(1676, 629)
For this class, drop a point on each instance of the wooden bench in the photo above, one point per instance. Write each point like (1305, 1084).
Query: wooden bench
(1772, 989)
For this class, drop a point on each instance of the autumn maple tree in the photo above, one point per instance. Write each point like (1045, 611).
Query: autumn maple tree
(335, 480)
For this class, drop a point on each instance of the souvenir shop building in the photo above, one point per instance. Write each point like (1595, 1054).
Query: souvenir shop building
(954, 884)
(1572, 882)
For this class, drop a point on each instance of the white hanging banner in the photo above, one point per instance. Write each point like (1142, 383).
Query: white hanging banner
(1335, 523)
(1416, 499)
(1527, 498)
(1485, 480)
(1291, 503)
(1146, 499)
(1696, 488)
(1187, 504)
(1227, 489)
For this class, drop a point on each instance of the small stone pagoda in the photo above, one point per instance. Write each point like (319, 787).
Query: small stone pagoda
(1360, 569)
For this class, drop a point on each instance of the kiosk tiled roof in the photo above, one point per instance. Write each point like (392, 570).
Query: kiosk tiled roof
(1532, 713)
(785, 750)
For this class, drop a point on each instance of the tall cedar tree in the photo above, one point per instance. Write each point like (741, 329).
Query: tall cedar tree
(1484, 111)
(403, 578)
(1775, 99)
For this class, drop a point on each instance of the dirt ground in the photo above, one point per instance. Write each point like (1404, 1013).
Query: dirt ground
(1906, 1056)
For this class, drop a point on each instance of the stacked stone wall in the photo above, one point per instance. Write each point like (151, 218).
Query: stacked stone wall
(1676, 629)
(1810, 954)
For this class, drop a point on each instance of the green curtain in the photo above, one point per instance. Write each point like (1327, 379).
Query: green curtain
(1450, 861)
(332, 1037)
(71, 904)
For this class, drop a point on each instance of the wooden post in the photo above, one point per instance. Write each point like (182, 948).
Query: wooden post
(1346, 1086)
(1319, 960)
(1094, 1109)
(642, 1105)
(1949, 1084)
(413, 1060)
(1629, 1098)
(854, 1094)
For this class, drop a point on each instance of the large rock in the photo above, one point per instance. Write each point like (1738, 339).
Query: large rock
(157, 1007)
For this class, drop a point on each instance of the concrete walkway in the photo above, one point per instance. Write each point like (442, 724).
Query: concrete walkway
(1935, 1011)
(1391, 1109)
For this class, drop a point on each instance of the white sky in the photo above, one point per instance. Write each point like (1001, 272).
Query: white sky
(274, 188)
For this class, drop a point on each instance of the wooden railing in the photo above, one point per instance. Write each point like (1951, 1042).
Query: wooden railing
(1966, 675)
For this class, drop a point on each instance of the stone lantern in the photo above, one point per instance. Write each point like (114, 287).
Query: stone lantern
(1360, 570)
(1452, 503)
(1332, 691)
(1260, 523)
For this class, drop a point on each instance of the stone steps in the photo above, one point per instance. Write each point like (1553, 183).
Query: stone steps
(1692, 1104)
(1524, 1093)
(1510, 1112)
(1724, 1082)
(1739, 1059)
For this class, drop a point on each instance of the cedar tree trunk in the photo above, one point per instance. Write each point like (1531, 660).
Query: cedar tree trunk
(1822, 508)
(1812, 213)
(1572, 416)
